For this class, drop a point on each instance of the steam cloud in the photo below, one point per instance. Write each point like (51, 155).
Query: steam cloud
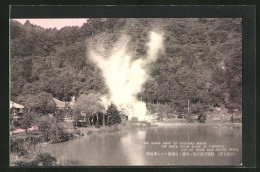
(125, 77)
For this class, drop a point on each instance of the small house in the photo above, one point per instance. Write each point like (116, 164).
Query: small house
(16, 110)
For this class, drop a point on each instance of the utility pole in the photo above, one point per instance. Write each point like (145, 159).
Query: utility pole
(188, 106)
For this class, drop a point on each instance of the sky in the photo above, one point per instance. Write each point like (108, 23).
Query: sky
(52, 23)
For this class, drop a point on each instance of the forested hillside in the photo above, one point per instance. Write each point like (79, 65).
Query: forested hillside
(201, 61)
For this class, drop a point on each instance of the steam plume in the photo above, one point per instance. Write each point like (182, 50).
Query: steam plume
(125, 77)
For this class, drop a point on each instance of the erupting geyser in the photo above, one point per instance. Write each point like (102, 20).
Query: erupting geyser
(125, 77)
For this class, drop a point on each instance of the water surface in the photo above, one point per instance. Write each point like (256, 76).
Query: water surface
(134, 146)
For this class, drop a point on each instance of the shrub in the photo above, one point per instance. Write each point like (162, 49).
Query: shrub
(180, 116)
(52, 130)
(45, 123)
(58, 134)
(44, 159)
(23, 162)
(202, 118)
(40, 159)
(19, 147)
(21, 144)
(170, 116)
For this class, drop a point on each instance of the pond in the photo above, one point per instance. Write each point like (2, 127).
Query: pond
(169, 144)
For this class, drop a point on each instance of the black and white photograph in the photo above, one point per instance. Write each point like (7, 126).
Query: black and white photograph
(125, 92)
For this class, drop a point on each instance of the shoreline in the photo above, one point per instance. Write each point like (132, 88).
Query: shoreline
(197, 123)
(111, 129)
(128, 125)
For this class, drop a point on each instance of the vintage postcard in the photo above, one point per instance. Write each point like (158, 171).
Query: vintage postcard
(125, 92)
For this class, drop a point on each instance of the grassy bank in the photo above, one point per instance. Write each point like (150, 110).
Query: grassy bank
(27, 149)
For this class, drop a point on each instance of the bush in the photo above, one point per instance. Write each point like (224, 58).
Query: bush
(21, 144)
(202, 118)
(58, 134)
(23, 162)
(40, 159)
(44, 125)
(180, 116)
(44, 159)
(19, 147)
(52, 130)
(170, 116)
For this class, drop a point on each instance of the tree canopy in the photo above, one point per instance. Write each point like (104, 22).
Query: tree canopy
(202, 61)
(41, 103)
(89, 104)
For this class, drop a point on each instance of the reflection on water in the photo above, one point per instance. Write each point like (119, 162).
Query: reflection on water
(127, 147)
(132, 146)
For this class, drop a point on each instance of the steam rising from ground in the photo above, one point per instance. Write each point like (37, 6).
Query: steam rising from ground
(124, 76)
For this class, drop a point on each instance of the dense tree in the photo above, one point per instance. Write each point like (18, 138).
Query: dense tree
(41, 104)
(90, 104)
(113, 115)
(201, 62)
